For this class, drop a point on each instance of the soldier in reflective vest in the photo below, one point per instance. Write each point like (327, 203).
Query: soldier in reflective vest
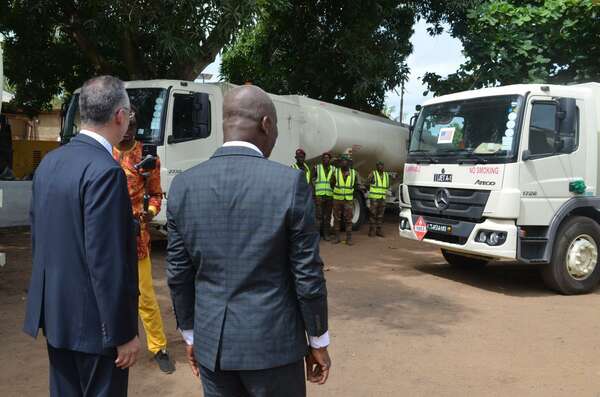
(343, 182)
(324, 194)
(302, 166)
(379, 182)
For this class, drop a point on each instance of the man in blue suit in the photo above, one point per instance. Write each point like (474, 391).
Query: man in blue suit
(84, 289)
(243, 265)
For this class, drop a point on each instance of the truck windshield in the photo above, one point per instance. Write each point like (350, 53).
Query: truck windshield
(150, 103)
(485, 128)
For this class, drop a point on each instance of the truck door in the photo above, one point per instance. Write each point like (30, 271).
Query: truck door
(191, 134)
(551, 158)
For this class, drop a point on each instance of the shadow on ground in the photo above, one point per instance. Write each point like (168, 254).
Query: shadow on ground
(510, 279)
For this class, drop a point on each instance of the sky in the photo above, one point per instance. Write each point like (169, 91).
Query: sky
(440, 54)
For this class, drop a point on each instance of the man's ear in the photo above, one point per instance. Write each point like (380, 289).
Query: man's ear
(266, 124)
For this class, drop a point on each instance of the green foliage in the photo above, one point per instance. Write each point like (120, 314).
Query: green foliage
(512, 41)
(55, 45)
(340, 51)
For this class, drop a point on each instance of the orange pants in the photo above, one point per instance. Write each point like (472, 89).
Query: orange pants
(149, 310)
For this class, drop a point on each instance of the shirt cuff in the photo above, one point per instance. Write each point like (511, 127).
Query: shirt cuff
(188, 336)
(317, 342)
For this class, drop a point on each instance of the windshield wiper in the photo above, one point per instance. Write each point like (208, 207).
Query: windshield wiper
(473, 160)
(425, 159)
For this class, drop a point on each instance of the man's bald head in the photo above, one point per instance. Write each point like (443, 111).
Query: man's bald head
(249, 115)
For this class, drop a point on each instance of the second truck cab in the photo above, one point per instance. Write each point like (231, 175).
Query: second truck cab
(509, 173)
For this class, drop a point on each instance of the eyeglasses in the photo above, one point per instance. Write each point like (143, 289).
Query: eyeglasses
(129, 111)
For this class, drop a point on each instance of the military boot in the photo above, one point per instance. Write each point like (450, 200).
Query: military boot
(379, 232)
(336, 238)
(349, 238)
(371, 231)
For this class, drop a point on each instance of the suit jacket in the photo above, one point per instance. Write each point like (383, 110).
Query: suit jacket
(84, 288)
(243, 261)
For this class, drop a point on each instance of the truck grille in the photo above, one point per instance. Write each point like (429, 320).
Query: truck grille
(463, 204)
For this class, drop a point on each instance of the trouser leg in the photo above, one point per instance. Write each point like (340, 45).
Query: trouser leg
(327, 208)
(348, 215)
(76, 374)
(149, 310)
(220, 383)
(338, 208)
(319, 212)
(64, 377)
(372, 212)
(287, 380)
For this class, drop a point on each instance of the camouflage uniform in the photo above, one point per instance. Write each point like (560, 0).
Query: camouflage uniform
(323, 208)
(379, 184)
(345, 209)
(343, 202)
(376, 211)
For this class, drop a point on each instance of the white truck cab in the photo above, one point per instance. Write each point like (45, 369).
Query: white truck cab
(509, 173)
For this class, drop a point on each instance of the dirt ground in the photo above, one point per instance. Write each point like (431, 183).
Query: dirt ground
(402, 322)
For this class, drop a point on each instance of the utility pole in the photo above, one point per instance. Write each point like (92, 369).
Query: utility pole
(402, 102)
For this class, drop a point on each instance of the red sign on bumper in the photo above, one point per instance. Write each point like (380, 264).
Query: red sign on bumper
(420, 228)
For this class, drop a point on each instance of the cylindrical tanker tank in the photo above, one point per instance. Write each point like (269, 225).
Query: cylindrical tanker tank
(331, 128)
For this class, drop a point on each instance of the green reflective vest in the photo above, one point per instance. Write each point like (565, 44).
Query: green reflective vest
(379, 189)
(323, 182)
(306, 171)
(344, 189)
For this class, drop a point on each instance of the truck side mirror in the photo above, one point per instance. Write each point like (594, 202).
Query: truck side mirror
(567, 116)
(201, 115)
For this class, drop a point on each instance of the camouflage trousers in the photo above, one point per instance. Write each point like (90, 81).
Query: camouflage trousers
(376, 211)
(343, 209)
(323, 208)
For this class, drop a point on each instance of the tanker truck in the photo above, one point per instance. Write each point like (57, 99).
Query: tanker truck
(184, 121)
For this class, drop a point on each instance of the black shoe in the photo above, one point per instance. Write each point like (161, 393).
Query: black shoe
(164, 362)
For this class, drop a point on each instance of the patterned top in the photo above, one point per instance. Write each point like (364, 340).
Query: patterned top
(135, 184)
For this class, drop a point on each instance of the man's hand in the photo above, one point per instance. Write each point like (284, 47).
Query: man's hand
(189, 350)
(127, 353)
(317, 365)
(147, 216)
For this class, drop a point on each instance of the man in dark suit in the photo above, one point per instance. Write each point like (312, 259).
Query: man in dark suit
(83, 290)
(243, 265)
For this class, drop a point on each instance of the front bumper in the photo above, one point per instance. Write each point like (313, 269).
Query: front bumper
(506, 251)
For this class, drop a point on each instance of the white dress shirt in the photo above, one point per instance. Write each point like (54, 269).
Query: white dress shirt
(99, 138)
(243, 144)
(315, 341)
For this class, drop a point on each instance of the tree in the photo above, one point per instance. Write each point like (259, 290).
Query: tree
(511, 41)
(340, 51)
(54, 45)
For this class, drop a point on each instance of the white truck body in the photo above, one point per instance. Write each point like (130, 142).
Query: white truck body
(313, 125)
(519, 180)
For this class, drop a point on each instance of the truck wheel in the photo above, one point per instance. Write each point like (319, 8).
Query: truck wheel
(573, 268)
(463, 261)
(361, 212)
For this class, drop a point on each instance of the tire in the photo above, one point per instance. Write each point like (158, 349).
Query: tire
(558, 275)
(459, 260)
(360, 204)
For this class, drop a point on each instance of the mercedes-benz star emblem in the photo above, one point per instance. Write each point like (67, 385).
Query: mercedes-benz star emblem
(442, 199)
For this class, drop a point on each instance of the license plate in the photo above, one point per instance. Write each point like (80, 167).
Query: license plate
(439, 228)
(442, 177)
